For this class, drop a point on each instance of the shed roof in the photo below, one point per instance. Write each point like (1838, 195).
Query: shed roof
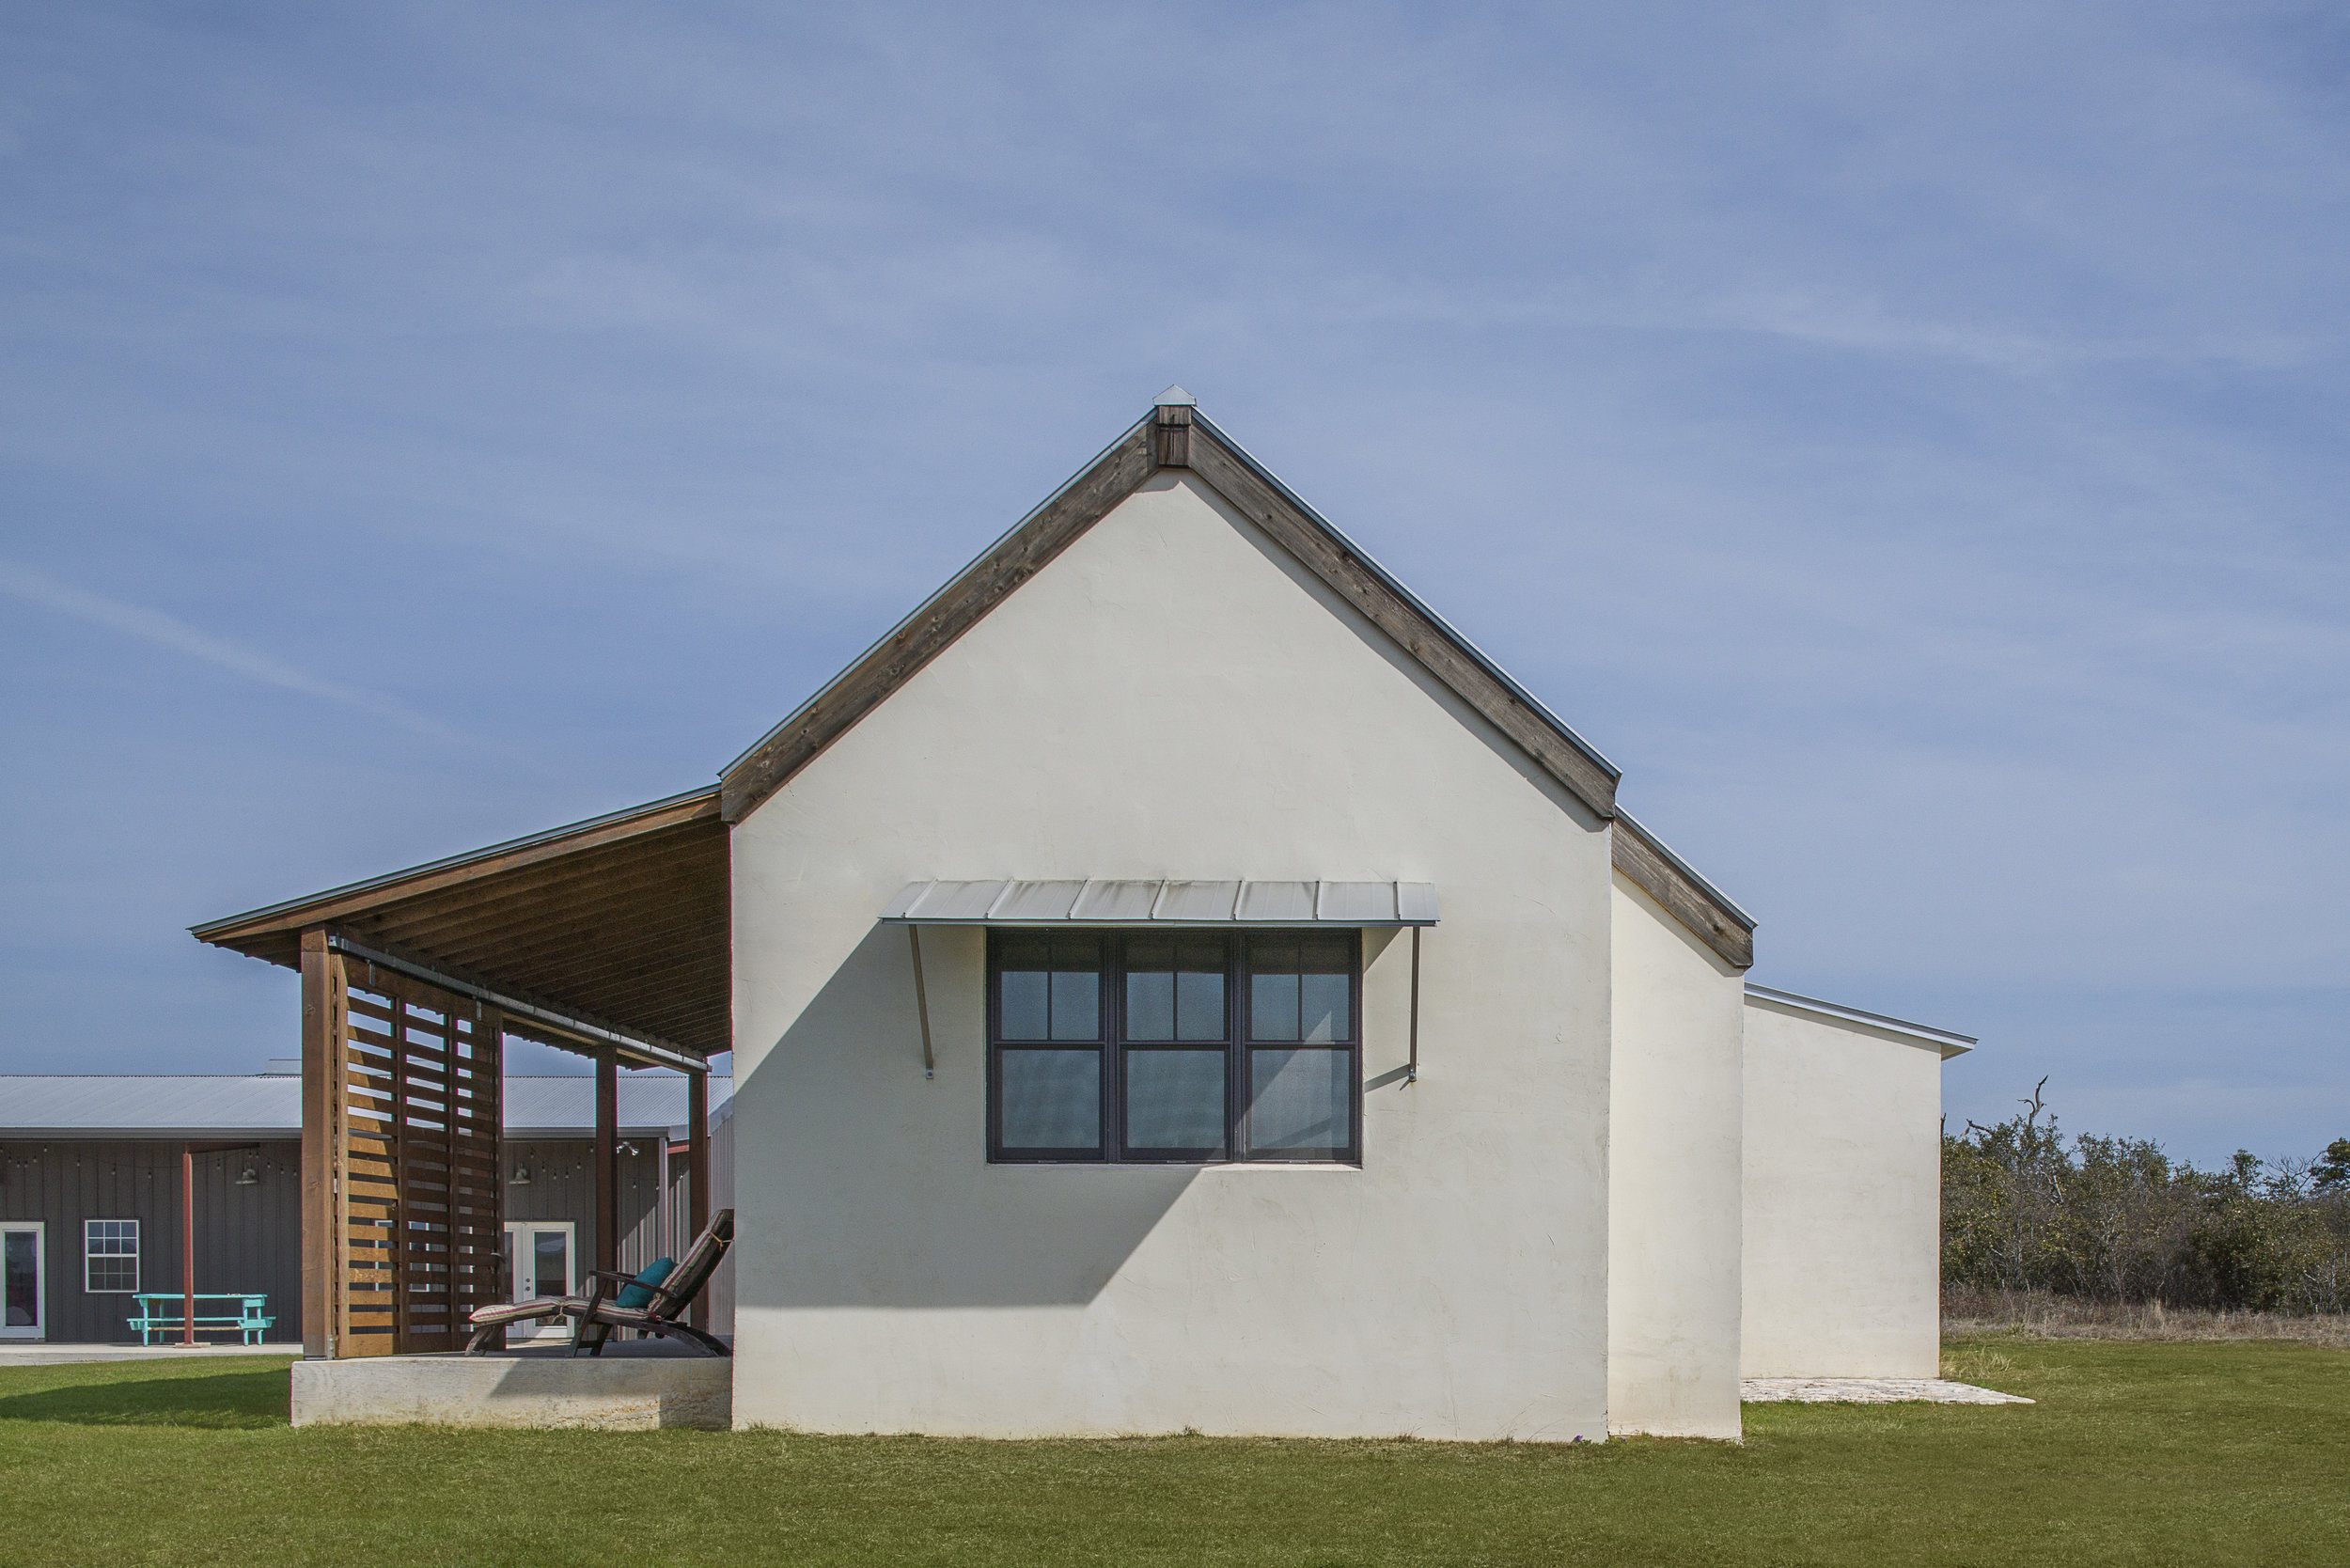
(622, 919)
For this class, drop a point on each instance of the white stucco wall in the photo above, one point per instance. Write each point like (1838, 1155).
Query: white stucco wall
(1844, 1170)
(1172, 697)
(1674, 1134)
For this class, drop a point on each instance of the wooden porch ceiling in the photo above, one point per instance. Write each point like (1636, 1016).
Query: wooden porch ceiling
(623, 919)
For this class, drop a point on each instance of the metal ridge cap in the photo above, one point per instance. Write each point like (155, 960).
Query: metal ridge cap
(1653, 841)
(915, 614)
(453, 861)
(1395, 584)
(1858, 1016)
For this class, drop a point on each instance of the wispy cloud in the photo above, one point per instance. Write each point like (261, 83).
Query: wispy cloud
(166, 630)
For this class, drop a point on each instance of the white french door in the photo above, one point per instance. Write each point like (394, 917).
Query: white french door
(23, 1286)
(541, 1258)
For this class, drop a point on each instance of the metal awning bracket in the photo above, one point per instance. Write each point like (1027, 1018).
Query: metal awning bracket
(921, 1003)
(1411, 1073)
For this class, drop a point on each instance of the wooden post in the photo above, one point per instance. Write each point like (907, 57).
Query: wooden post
(607, 1160)
(319, 1253)
(187, 1243)
(697, 1178)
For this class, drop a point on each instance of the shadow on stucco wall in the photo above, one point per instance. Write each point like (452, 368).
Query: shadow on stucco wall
(861, 1183)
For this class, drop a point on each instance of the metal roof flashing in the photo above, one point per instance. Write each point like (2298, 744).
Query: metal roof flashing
(1943, 1041)
(1103, 901)
(1395, 586)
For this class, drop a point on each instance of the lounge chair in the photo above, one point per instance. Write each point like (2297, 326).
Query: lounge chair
(597, 1313)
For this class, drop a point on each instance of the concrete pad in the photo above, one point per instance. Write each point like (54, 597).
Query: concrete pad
(605, 1394)
(1868, 1390)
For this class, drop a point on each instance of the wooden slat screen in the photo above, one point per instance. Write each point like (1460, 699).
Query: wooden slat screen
(417, 1124)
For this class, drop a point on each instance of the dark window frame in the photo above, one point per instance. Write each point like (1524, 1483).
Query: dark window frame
(1111, 1049)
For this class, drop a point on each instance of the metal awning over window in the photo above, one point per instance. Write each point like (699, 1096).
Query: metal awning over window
(1114, 902)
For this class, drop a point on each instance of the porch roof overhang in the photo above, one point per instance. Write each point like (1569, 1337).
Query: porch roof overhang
(1161, 901)
(610, 932)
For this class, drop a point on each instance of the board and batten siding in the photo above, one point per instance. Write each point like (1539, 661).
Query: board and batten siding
(562, 1187)
(247, 1238)
(1173, 696)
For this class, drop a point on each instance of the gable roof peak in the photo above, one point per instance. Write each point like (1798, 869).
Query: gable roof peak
(1173, 435)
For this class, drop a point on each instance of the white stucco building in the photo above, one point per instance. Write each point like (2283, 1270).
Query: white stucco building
(1185, 727)
(1178, 982)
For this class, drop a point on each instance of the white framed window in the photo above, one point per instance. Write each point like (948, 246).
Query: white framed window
(110, 1256)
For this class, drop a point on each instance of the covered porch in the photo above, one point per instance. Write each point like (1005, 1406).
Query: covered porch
(610, 939)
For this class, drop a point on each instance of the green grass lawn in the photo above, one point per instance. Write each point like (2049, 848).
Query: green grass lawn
(2137, 1453)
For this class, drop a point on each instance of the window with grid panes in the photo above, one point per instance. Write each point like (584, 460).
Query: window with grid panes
(1173, 1046)
(110, 1256)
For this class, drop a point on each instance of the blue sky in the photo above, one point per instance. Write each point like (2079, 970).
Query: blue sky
(1909, 441)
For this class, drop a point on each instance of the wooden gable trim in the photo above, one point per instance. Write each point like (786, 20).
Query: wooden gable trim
(1683, 894)
(322, 909)
(1330, 557)
(1172, 438)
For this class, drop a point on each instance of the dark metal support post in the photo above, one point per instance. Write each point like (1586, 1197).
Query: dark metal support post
(697, 1178)
(923, 1003)
(607, 1159)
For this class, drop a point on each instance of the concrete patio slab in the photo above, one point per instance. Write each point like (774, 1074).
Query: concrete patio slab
(610, 1393)
(1868, 1390)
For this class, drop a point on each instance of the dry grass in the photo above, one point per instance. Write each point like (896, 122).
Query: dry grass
(2040, 1315)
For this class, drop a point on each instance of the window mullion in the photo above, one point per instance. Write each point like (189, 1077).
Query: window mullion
(1112, 1011)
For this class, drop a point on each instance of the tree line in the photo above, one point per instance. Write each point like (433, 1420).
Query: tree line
(2116, 1219)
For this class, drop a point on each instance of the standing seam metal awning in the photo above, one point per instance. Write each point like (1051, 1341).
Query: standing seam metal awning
(1099, 901)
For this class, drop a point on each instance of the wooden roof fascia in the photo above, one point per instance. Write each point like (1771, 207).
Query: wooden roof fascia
(1688, 898)
(1329, 554)
(1176, 436)
(326, 908)
(1166, 440)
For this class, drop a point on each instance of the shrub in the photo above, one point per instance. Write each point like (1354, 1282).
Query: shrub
(2116, 1219)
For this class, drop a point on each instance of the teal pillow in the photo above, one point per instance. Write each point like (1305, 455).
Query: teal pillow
(639, 1292)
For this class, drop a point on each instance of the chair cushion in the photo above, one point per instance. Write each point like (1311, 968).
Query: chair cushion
(515, 1312)
(639, 1292)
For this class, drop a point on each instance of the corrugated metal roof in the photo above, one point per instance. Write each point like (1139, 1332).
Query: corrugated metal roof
(270, 1104)
(1109, 900)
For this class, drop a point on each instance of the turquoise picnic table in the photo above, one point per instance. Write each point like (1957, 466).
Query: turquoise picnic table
(165, 1312)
